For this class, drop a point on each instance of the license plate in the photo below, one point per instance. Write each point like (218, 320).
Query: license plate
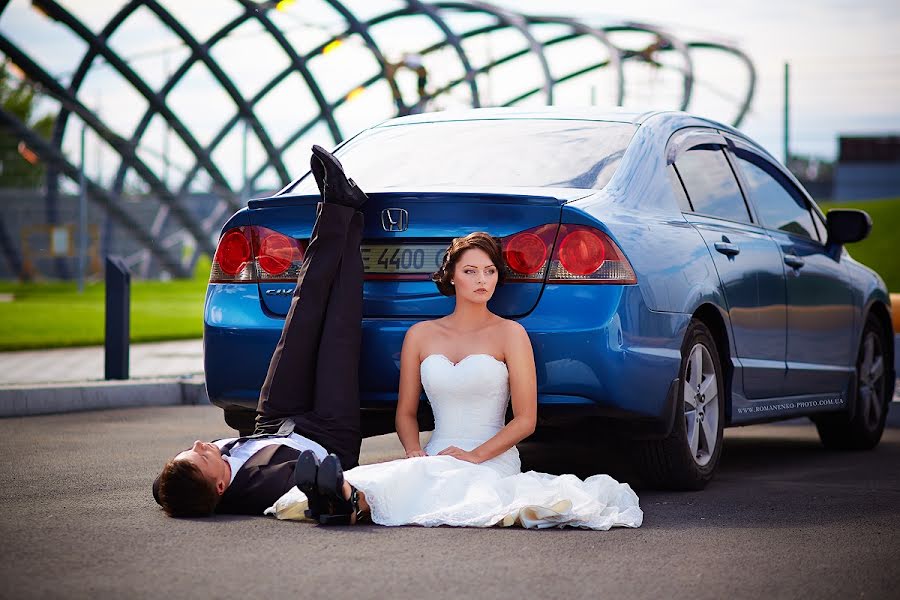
(402, 259)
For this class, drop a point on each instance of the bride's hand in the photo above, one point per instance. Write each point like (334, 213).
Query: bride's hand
(460, 454)
(413, 453)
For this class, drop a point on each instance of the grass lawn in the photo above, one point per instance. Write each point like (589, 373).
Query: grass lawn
(881, 250)
(50, 315)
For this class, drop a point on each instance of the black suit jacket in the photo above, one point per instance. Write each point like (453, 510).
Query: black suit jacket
(261, 481)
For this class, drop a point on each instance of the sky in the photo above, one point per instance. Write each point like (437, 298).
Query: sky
(843, 56)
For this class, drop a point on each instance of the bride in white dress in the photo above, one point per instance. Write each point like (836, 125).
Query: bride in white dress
(472, 364)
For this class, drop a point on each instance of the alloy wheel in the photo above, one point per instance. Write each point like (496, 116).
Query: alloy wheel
(701, 404)
(871, 381)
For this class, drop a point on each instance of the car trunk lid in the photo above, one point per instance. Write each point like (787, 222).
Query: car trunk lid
(405, 236)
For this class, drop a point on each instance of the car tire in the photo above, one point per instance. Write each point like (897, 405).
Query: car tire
(687, 458)
(838, 431)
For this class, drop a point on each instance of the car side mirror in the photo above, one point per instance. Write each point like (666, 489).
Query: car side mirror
(846, 225)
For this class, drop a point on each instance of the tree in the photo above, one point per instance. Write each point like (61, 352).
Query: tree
(19, 165)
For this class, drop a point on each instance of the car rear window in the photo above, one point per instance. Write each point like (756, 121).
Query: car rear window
(513, 152)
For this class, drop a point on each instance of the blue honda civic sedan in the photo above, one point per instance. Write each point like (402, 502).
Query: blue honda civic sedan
(673, 277)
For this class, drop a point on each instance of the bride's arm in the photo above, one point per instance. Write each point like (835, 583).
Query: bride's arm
(523, 390)
(405, 421)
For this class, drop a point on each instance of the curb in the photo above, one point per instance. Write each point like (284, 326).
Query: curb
(28, 400)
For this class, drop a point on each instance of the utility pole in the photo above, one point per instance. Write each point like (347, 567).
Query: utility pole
(787, 98)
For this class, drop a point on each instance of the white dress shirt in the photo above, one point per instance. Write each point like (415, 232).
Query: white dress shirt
(242, 452)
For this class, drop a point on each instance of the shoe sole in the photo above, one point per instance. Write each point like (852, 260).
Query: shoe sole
(330, 482)
(305, 476)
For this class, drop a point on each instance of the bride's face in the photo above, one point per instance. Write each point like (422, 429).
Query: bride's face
(475, 276)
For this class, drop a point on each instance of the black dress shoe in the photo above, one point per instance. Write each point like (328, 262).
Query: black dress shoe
(306, 472)
(334, 186)
(330, 482)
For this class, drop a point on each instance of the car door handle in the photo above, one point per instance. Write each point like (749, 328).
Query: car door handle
(794, 261)
(726, 248)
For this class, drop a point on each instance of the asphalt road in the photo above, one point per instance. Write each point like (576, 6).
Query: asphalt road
(784, 519)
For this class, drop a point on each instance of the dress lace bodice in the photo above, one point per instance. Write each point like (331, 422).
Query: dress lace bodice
(469, 400)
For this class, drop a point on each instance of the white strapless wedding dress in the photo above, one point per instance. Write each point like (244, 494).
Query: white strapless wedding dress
(469, 401)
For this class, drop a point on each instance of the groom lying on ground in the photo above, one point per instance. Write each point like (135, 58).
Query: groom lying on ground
(310, 397)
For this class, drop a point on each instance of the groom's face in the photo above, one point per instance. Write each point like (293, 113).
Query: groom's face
(208, 458)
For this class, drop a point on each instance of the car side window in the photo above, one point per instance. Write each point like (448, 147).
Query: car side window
(683, 203)
(779, 205)
(710, 183)
(821, 228)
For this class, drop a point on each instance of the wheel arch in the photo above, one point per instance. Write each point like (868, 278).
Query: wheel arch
(882, 313)
(712, 317)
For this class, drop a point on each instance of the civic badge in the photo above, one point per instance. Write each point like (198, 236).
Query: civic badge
(394, 219)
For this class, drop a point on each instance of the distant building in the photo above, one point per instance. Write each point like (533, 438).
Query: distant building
(867, 167)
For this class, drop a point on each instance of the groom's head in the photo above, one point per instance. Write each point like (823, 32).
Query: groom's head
(192, 483)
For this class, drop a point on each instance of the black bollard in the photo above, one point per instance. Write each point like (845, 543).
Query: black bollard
(118, 305)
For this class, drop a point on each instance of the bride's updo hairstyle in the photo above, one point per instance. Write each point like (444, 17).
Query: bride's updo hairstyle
(477, 239)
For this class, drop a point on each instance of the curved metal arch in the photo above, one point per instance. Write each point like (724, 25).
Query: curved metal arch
(484, 69)
(583, 30)
(615, 53)
(563, 79)
(574, 74)
(120, 145)
(224, 80)
(452, 38)
(510, 20)
(751, 87)
(155, 101)
(262, 93)
(300, 64)
(292, 139)
(59, 125)
(51, 155)
(357, 26)
(580, 31)
(164, 92)
(463, 36)
(61, 121)
(677, 45)
(435, 11)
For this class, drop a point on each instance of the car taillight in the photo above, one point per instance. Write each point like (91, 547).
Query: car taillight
(278, 257)
(252, 254)
(584, 254)
(580, 254)
(234, 257)
(526, 253)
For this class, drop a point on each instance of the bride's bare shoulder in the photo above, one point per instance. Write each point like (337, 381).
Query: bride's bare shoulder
(421, 328)
(510, 325)
(513, 331)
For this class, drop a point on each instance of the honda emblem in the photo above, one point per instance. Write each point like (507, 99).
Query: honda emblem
(394, 219)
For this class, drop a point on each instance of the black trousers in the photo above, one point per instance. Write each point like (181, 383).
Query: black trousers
(313, 376)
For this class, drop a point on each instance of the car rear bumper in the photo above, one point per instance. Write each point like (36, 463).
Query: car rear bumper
(599, 352)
